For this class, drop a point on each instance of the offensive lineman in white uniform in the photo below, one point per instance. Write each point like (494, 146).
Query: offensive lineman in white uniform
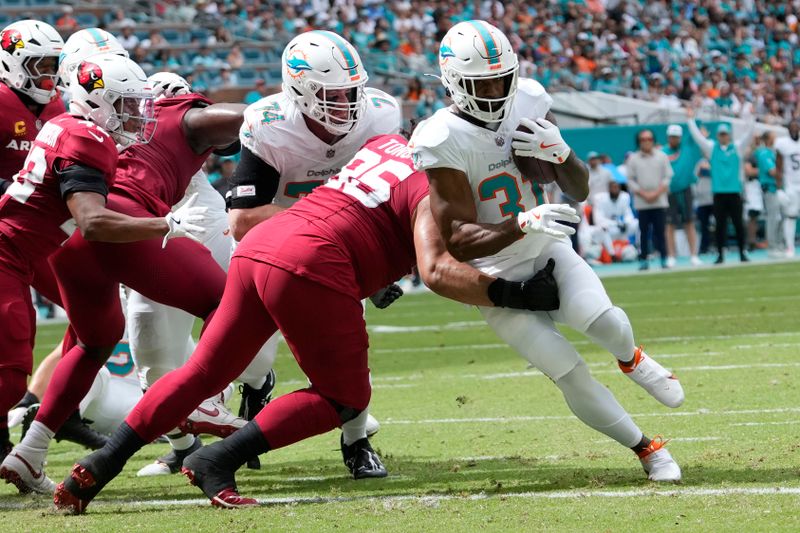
(294, 141)
(787, 162)
(483, 206)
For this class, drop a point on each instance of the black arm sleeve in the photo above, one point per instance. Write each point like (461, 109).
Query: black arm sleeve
(80, 178)
(231, 149)
(4, 184)
(253, 184)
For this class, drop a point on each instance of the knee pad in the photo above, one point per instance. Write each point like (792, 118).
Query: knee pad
(612, 330)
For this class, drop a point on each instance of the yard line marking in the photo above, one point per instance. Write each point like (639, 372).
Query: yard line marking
(703, 368)
(435, 498)
(785, 423)
(540, 418)
(434, 327)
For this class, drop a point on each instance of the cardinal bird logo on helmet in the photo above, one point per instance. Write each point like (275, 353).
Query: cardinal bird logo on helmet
(10, 40)
(90, 77)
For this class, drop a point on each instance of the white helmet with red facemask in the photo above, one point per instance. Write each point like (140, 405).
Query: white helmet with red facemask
(471, 52)
(29, 51)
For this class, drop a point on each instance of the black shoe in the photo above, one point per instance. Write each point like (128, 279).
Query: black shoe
(361, 459)
(743, 258)
(5, 449)
(84, 482)
(28, 417)
(77, 431)
(719, 260)
(174, 458)
(253, 401)
(204, 470)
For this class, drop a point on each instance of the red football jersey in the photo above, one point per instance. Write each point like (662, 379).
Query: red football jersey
(34, 218)
(354, 233)
(156, 174)
(19, 127)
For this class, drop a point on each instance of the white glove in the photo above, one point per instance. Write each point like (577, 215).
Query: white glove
(186, 221)
(546, 218)
(544, 143)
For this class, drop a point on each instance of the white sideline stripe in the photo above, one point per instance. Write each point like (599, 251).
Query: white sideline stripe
(680, 439)
(432, 499)
(434, 327)
(539, 418)
(786, 423)
(703, 368)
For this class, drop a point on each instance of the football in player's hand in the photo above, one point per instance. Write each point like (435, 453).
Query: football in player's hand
(532, 168)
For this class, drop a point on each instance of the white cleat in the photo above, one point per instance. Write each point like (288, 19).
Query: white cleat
(212, 417)
(695, 261)
(156, 468)
(16, 415)
(373, 426)
(26, 473)
(658, 462)
(655, 379)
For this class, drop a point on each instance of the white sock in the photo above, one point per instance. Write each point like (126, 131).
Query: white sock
(256, 383)
(596, 407)
(356, 428)
(183, 442)
(612, 330)
(789, 225)
(36, 441)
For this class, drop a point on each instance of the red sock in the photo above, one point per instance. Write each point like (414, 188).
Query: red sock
(296, 416)
(12, 388)
(72, 379)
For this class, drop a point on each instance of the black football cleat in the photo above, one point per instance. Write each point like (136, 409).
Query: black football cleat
(253, 401)
(361, 460)
(77, 431)
(84, 482)
(217, 482)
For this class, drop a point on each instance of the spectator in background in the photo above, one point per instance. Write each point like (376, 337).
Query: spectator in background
(727, 171)
(616, 174)
(221, 176)
(66, 21)
(705, 203)
(649, 173)
(413, 90)
(681, 203)
(764, 160)
(226, 78)
(221, 35)
(753, 198)
(206, 58)
(235, 57)
(599, 177)
(154, 40)
(127, 38)
(429, 103)
(613, 218)
(258, 93)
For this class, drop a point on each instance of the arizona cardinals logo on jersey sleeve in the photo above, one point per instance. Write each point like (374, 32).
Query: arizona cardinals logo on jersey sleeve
(10, 40)
(90, 77)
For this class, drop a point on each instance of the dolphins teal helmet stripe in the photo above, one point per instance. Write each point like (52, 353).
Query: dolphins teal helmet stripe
(344, 48)
(97, 36)
(492, 51)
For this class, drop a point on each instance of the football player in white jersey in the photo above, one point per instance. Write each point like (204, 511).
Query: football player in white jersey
(294, 140)
(484, 205)
(787, 161)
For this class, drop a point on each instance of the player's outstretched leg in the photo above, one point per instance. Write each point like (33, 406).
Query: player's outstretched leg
(357, 453)
(212, 468)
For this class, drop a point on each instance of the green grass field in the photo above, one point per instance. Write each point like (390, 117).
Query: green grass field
(475, 441)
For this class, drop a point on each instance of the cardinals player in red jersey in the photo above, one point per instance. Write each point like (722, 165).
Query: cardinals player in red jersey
(149, 179)
(29, 52)
(62, 187)
(305, 269)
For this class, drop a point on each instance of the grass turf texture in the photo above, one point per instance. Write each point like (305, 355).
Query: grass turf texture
(474, 440)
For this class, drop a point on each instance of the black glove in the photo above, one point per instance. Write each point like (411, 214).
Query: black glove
(540, 293)
(386, 296)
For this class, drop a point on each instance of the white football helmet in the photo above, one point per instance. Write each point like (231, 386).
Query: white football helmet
(324, 76)
(471, 52)
(168, 84)
(112, 92)
(85, 43)
(25, 47)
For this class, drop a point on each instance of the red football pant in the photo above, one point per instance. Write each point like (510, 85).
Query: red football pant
(325, 330)
(18, 322)
(182, 275)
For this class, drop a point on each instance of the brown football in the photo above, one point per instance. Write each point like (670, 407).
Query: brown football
(532, 168)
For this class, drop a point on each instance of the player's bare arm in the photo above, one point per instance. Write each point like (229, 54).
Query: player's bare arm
(573, 174)
(97, 223)
(450, 278)
(453, 209)
(214, 126)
